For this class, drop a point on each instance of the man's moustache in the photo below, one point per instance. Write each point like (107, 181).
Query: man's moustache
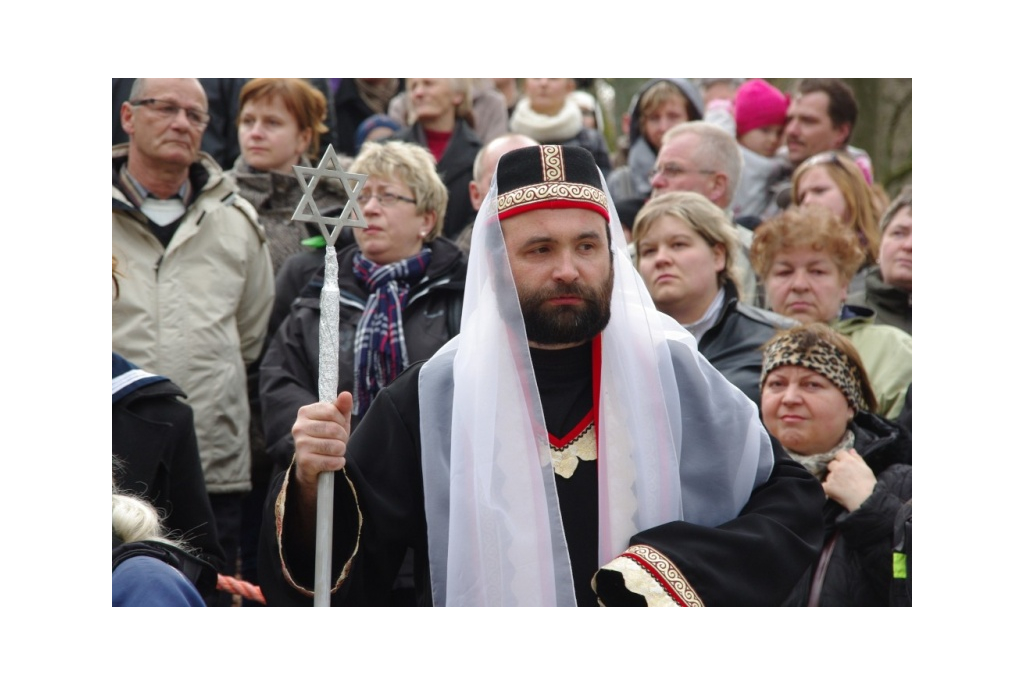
(569, 290)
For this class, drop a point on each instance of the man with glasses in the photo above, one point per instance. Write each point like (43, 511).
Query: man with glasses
(198, 285)
(220, 138)
(703, 158)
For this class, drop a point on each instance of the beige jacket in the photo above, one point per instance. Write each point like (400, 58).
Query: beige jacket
(197, 311)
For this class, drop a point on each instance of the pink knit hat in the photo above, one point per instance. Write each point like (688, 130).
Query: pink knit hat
(759, 103)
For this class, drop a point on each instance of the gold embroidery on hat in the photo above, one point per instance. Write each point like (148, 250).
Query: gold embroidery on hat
(545, 192)
(552, 163)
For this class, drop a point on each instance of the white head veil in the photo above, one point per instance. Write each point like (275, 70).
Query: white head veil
(495, 533)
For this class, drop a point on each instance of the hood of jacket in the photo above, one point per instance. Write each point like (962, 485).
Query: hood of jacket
(689, 90)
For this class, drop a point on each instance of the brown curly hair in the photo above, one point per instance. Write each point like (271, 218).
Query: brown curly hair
(811, 227)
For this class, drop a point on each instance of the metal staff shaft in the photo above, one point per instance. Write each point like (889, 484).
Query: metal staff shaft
(328, 170)
(328, 387)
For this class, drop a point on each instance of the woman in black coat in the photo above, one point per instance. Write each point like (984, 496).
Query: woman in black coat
(816, 399)
(443, 111)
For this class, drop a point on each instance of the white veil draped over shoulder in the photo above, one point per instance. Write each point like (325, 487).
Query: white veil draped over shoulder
(494, 528)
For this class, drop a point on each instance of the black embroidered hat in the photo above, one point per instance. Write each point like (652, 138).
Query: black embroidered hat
(549, 177)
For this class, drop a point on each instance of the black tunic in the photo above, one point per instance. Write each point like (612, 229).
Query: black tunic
(754, 559)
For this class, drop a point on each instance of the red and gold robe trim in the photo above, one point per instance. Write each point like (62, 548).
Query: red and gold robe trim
(648, 573)
(579, 444)
(279, 506)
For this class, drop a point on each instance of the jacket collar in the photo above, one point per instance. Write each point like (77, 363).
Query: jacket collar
(127, 378)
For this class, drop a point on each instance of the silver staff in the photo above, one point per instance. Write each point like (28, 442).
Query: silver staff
(352, 215)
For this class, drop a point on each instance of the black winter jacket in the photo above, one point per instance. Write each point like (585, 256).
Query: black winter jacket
(859, 572)
(733, 344)
(456, 170)
(290, 369)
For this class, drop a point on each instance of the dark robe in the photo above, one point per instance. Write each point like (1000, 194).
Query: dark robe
(754, 559)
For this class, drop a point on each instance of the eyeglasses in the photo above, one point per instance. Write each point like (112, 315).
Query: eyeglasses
(383, 199)
(169, 110)
(674, 170)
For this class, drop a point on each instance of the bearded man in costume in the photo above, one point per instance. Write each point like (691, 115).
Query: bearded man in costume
(569, 448)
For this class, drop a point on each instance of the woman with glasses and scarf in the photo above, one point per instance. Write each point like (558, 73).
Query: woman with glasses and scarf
(817, 400)
(401, 293)
(401, 299)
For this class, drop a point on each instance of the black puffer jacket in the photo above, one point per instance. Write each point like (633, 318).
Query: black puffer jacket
(733, 344)
(859, 571)
(288, 375)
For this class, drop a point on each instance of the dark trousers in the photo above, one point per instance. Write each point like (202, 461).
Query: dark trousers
(227, 511)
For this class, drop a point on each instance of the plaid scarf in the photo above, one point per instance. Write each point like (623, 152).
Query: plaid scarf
(380, 353)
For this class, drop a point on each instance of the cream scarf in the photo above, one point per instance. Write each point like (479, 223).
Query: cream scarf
(544, 128)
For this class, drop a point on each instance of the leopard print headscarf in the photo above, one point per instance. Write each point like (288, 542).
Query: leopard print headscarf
(792, 349)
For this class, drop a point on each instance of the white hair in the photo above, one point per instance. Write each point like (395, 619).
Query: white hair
(134, 519)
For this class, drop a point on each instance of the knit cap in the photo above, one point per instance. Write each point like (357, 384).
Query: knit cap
(759, 103)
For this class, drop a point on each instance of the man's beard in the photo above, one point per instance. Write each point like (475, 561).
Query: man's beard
(564, 324)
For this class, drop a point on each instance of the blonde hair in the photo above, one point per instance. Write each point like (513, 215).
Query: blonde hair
(860, 199)
(414, 166)
(701, 215)
(134, 519)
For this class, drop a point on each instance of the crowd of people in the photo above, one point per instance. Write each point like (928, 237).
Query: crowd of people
(674, 371)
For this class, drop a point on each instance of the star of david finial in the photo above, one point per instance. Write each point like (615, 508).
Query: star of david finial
(352, 215)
